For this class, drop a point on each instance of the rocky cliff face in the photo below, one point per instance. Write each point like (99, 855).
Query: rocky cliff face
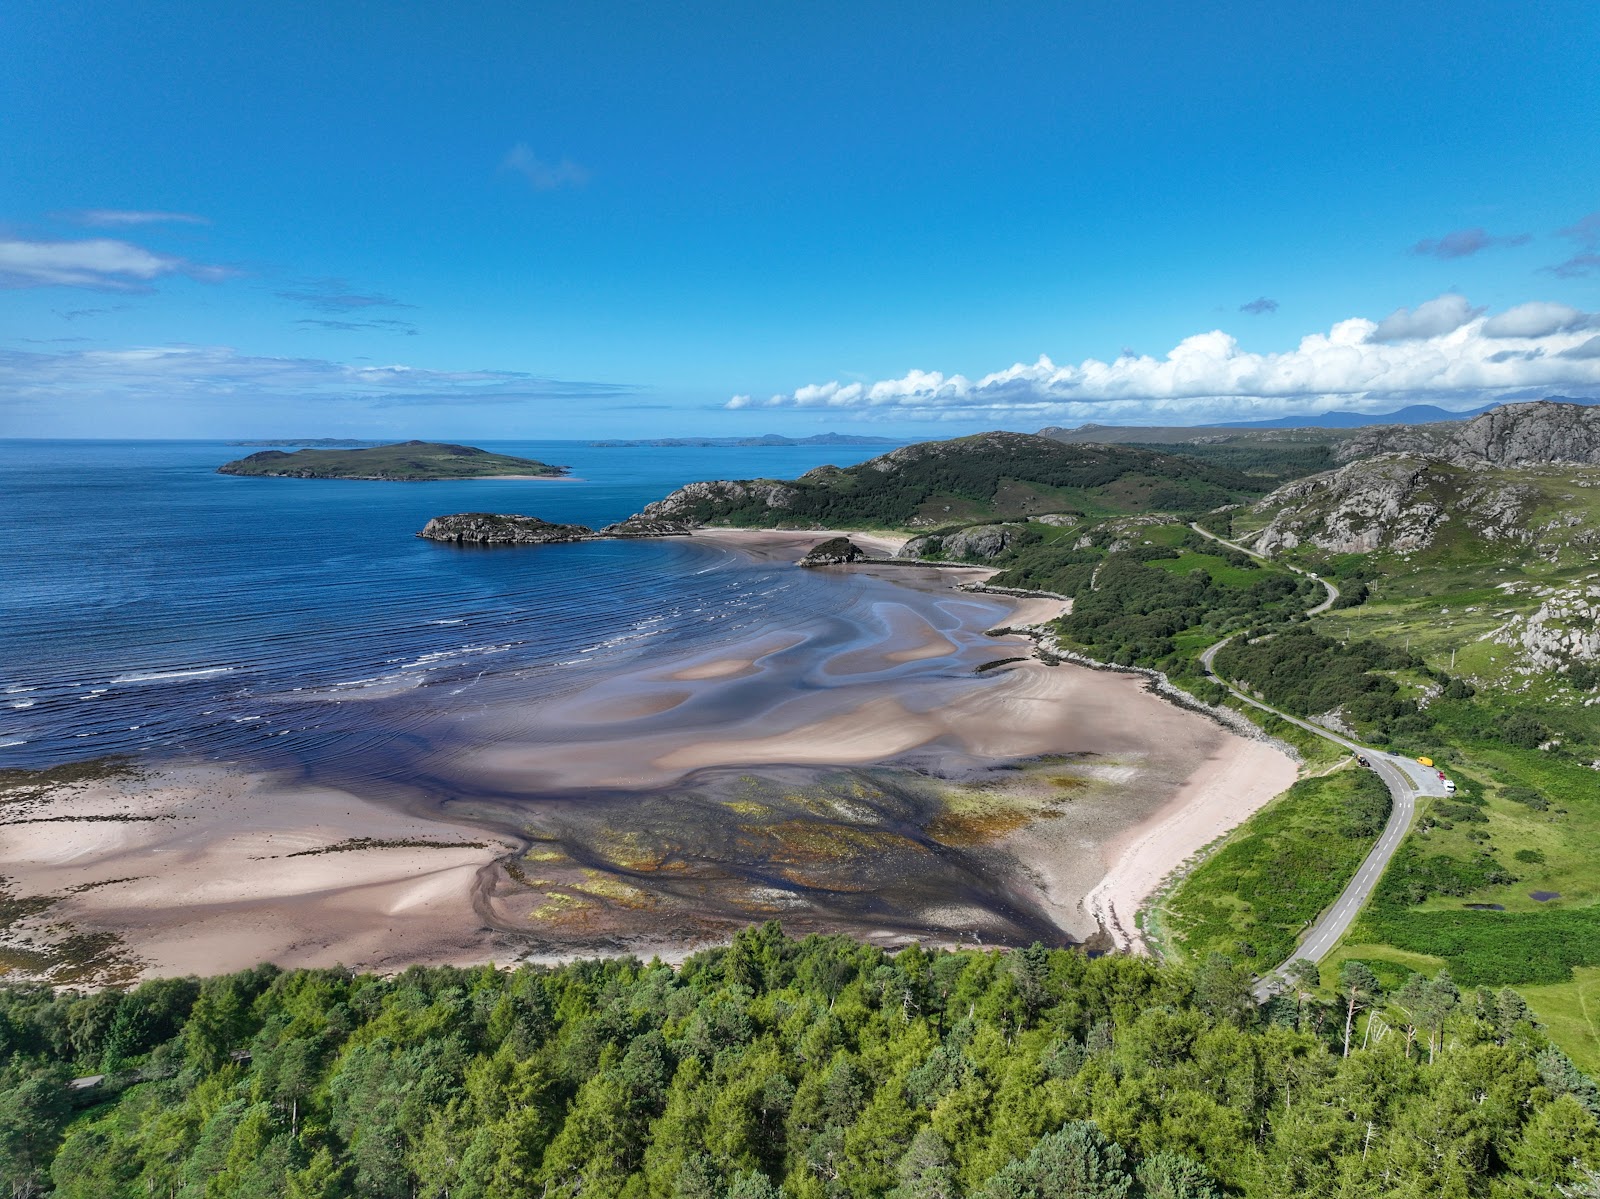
(1396, 503)
(982, 543)
(1540, 433)
(490, 528)
(1358, 508)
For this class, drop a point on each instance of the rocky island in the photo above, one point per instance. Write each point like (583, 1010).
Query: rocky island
(493, 528)
(407, 461)
(505, 528)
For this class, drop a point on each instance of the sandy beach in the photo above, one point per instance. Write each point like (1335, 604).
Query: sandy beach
(866, 777)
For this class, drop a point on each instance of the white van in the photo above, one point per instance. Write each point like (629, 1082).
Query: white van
(1450, 786)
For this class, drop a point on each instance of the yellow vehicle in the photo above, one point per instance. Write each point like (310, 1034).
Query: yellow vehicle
(1426, 761)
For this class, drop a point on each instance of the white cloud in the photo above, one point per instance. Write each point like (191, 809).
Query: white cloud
(1438, 316)
(101, 263)
(543, 176)
(121, 218)
(1439, 352)
(1538, 318)
(167, 375)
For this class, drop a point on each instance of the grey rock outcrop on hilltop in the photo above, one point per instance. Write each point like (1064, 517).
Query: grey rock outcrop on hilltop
(835, 551)
(1354, 509)
(683, 504)
(982, 543)
(491, 528)
(1536, 434)
(1397, 503)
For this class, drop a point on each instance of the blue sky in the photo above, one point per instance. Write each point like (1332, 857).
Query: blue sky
(523, 220)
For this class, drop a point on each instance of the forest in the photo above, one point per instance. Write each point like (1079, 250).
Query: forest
(775, 1067)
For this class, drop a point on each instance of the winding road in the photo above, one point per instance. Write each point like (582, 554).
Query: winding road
(1405, 779)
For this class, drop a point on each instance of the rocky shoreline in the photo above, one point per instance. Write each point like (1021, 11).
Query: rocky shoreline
(512, 529)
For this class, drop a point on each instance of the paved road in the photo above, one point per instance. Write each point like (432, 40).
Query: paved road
(1406, 780)
(1333, 592)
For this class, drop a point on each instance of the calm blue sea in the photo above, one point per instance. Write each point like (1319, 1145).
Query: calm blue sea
(152, 606)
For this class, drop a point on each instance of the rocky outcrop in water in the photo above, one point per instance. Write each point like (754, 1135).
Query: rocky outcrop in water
(1537, 434)
(836, 551)
(638, 526)
(491, 528)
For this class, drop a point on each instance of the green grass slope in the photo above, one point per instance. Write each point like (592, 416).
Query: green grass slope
(986, 477)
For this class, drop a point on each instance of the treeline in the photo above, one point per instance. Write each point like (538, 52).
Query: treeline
(773, 1068)
(1307, 674)
(1128, 612)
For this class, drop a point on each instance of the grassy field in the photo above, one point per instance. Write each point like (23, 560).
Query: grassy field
(1254, 896)
(1570, 1011)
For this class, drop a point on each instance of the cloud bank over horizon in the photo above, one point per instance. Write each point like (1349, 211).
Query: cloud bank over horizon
(1444, 351)
(222, 376)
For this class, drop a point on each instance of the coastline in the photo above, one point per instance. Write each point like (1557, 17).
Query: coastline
(197, 874)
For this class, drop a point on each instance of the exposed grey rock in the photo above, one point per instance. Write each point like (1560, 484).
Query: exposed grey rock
(981, 543)
(491, 528)
(926, 546)
(1539, 433)
(1355, 509)
(685, 503)
(637, 526)
(833, 552)
(1564, 629)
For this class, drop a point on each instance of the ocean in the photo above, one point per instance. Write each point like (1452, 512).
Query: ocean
(154, 608)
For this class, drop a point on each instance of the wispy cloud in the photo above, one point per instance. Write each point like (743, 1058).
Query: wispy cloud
(122, 218)
(1585, 235)
(1463, 243)
(336, 296)
(543, 176)
(221, 375)
(380, 326)
(1259, 307)
(1444, 351)
(77, 314)
(100, 264)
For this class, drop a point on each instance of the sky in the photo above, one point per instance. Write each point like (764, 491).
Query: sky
(526, 220)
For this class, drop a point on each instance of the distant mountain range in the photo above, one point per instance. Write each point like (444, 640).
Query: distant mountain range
(1414, 414)
(319, 443)
(766, 439)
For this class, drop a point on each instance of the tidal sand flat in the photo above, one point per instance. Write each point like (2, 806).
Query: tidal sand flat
(853, 770)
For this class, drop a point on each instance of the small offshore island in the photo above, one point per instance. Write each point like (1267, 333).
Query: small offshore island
(404, 462)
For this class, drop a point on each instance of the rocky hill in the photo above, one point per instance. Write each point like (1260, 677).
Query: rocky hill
(1539, 433)
(406, 461)
(987, 477)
